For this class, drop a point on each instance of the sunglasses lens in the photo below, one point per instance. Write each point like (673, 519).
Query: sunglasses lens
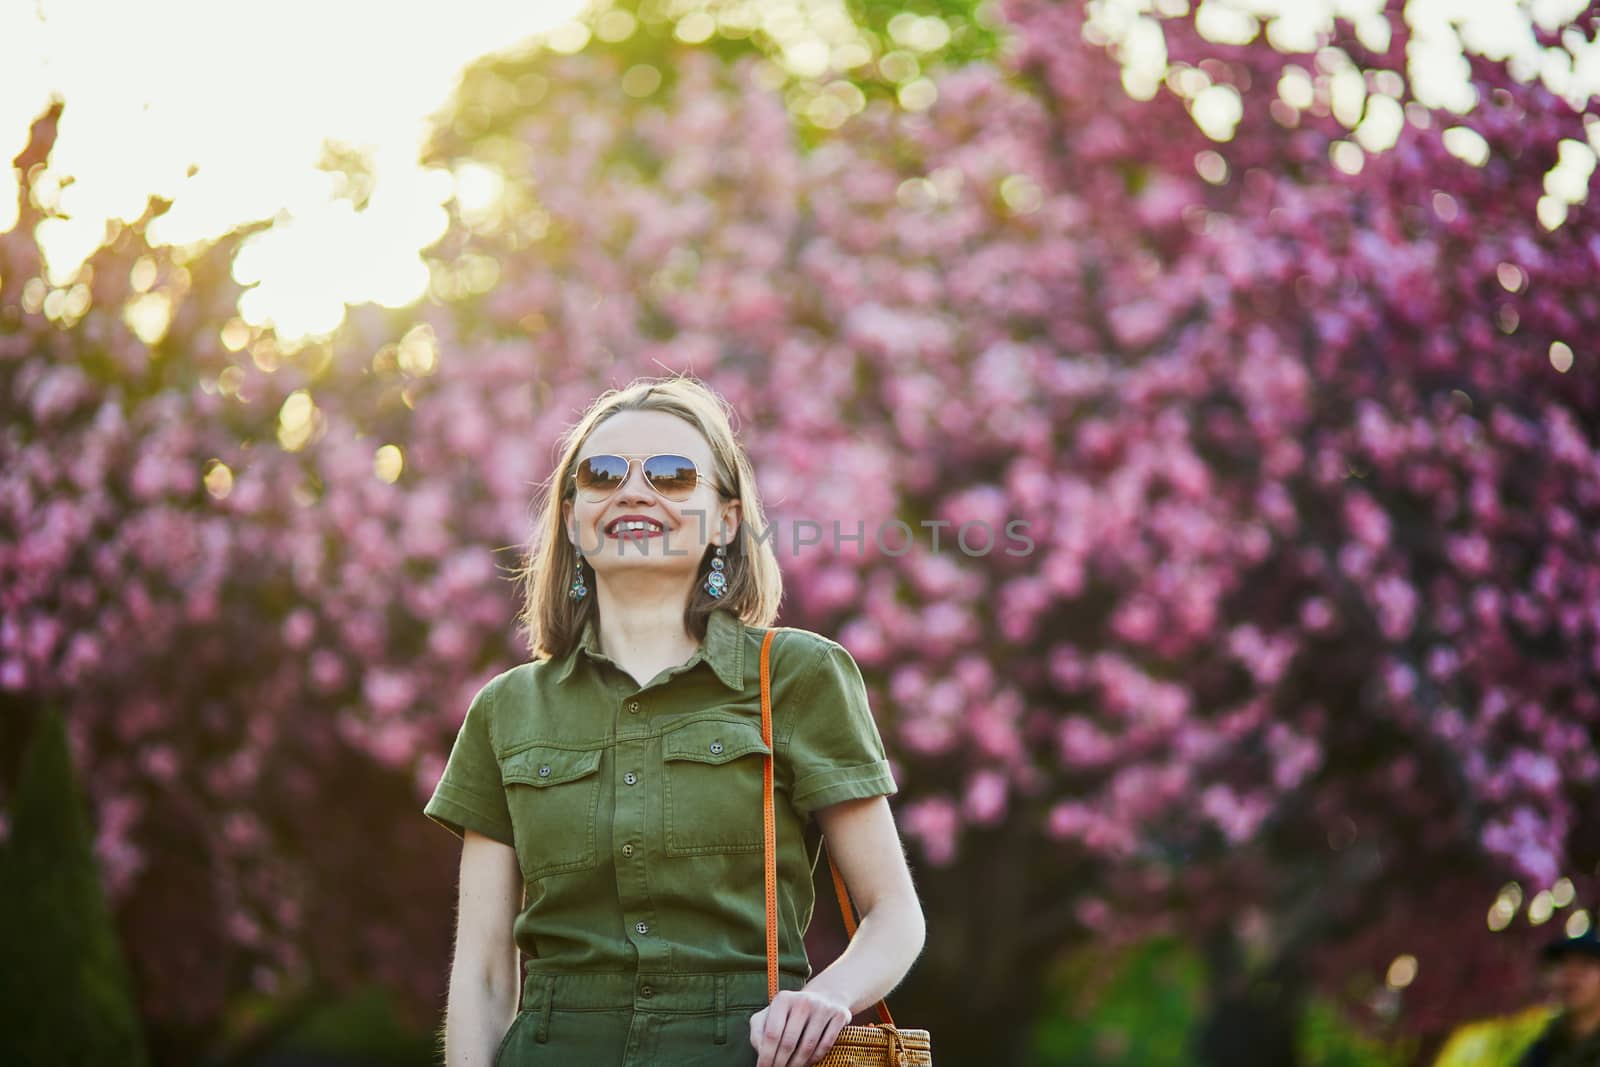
(601, 474)
(674, 477)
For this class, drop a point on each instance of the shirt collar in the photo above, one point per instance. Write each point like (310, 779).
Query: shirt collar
(723, 648)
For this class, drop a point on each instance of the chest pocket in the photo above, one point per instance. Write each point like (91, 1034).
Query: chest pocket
(553, 794)
(712, 802)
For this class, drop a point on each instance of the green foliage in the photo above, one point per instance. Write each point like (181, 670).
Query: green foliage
(65, 992)
(361, 1028)
(1140, 1010)
(497, 94)
(1136, 1009)
(973, 35)
(1328, 1040)
(1498, 1042)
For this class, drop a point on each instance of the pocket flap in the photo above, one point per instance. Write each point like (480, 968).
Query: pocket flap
(542, 765)
(713, 741)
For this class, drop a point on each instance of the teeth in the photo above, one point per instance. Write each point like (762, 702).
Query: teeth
(635, 525)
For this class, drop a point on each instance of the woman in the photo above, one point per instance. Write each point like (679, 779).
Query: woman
(617, 779)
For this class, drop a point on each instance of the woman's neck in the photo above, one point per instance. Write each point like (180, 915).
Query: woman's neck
(644, 638)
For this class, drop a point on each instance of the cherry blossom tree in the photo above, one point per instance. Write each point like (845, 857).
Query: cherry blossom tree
(1214, 521)
(1304, 633)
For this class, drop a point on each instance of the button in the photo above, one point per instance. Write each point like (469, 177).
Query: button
(544, 772)
(646, 992)
(716, 748)
(642, 927)
(627, 850)
(633, 705)
(631, 778)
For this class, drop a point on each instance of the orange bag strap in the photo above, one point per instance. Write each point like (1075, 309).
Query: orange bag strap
(769, 825)
(769, 832)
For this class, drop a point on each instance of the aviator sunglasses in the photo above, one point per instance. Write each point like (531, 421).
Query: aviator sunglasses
(674, 477)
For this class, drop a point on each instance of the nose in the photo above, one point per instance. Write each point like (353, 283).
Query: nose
(635, 486)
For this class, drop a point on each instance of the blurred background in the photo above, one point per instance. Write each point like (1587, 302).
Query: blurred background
(1277, 322)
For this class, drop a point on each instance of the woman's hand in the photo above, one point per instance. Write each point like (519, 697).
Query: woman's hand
(797, 1029)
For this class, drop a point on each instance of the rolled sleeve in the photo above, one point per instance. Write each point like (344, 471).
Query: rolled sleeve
(470, 795)
(833, 745)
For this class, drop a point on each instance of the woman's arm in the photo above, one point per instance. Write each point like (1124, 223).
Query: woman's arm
(484, 983)
(862, 839)
(798, 1028)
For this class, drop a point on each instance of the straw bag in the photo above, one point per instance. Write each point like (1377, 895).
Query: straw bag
(881, 1044)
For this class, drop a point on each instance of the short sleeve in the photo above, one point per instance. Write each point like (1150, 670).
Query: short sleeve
(470, 795)
(834, 747)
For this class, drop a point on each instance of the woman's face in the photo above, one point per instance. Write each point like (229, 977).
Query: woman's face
(679, 530)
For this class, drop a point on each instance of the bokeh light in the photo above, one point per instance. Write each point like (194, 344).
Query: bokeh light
(1442, 33)
(1402, 972)
(363, 75)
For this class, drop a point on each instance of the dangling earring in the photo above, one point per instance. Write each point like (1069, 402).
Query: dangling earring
(577, 590)
(716, 580)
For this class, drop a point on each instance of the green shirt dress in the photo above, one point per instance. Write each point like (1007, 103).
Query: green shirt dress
(635, 812)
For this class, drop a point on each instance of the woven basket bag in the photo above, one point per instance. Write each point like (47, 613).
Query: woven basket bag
(881, 1044)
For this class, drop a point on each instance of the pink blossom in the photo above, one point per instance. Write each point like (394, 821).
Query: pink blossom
(13, 675)
(1367, 520)
(243, 929)
(1137, 620)
(1316, 614)
(327, 670)
(1399, 679)
(1067, 667)
(1093, 912)
(1397, 606)
(1083, 744)
(1266, 658)
(160, 762)
(1237, 817)
(985, 801)
(934, 822)
(1295, 756)
(1068, 820)
(386, 690)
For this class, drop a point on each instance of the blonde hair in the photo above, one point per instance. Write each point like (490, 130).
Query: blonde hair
(551, 621)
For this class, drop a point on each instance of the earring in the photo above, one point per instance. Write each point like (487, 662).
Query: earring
(716, 581)
(577, 590)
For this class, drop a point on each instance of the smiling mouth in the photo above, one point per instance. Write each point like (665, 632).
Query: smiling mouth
(634, 530)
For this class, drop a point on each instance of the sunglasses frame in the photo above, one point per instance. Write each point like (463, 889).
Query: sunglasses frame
(642, 458)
